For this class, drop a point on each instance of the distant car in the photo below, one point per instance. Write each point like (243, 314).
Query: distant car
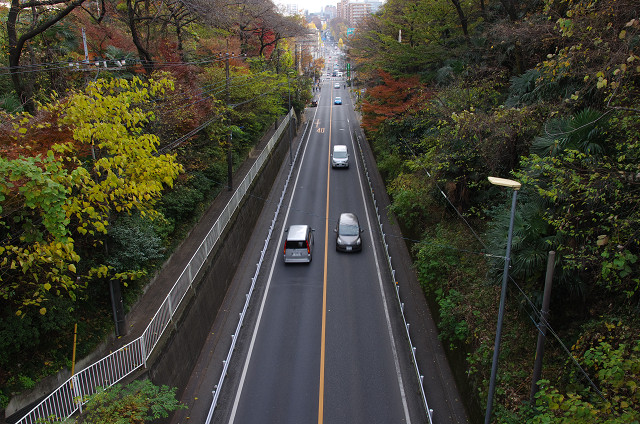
(337, 101)
(336, 85)
(314, 103)
(348, 233)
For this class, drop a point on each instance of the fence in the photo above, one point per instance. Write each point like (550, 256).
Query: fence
(72, 394)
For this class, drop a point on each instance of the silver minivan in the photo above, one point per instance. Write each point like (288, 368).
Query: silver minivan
(298, 246)
(340, 156)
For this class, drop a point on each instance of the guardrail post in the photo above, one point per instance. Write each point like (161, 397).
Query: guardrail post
(143, 349)
(76, 392)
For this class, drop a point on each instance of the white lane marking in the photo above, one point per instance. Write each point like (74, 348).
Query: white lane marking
(384, 298)
(266, 292)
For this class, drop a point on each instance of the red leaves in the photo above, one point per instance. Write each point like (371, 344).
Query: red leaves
(390, 100)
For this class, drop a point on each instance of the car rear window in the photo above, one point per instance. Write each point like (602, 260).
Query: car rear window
(296, 244)
(340, 155)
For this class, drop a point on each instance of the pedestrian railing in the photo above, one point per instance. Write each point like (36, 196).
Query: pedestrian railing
(72, 394)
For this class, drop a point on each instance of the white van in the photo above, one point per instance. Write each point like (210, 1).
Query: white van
(340, 156)
(298, 247)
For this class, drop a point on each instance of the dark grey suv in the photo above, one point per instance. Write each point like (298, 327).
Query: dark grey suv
(348, 233)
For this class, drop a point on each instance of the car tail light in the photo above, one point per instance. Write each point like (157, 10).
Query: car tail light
(308, 250)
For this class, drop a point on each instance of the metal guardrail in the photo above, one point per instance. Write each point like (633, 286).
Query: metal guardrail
(397, 286)
(72, 394)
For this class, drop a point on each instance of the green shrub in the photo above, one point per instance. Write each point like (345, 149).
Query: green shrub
(138, 401)
(180, 202)
(452, 325)
(134, 242)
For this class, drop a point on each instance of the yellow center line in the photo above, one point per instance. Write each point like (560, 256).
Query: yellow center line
(324, 287)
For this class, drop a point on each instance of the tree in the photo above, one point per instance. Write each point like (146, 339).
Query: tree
(20, 30)
(461, 17)
(388, 100)
(101, 165)
(138, 16)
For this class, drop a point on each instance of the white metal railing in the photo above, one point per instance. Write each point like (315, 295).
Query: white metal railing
(72, 394)
(397, 286)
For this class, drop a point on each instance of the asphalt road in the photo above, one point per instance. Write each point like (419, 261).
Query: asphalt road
(322, 342)
(296, 372)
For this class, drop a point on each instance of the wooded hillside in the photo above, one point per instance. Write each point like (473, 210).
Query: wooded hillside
(119, 121)
(546, 93)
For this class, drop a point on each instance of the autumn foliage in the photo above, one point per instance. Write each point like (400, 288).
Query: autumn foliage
(390, 99)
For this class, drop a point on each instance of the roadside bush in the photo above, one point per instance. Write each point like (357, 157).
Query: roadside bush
(180, 202)
(136, 402)
(135, 241)
(453, 327)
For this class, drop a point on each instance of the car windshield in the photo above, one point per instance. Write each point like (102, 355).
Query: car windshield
(348, 230)
(340, 155)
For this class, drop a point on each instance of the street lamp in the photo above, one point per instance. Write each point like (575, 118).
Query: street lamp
(505, 275)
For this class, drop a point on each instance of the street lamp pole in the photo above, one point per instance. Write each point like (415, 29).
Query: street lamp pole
(505, 276)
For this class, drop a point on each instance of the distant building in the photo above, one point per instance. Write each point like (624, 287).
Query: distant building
(291, 9)
(355, 11)
(330, 12)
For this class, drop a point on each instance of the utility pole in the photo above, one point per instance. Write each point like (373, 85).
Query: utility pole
(229, 152)
(84, 43)
(290, 122)
(542, 327)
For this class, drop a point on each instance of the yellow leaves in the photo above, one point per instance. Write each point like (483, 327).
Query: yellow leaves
(124, 174)
(43, 311)
(602, 81)
(622, 34)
